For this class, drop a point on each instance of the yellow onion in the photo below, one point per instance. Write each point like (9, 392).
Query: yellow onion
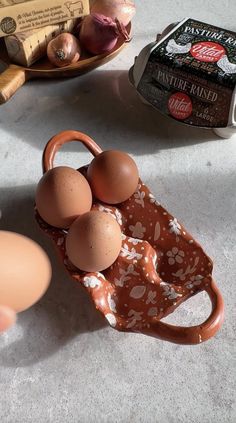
(63, 50)
(123, 10)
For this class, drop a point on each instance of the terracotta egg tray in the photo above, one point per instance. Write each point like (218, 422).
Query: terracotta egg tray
(159, 267)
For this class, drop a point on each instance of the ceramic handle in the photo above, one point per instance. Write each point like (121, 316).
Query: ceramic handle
(194, 334)
(10, 81)
(55, 143)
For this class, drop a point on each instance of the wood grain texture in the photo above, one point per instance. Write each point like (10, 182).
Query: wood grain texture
(11, 80)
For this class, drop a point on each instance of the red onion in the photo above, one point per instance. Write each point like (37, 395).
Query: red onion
(123, 10)
(99, 34)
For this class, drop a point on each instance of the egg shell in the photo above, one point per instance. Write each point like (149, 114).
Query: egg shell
(94, 241)
(25, 271)
(113, 176)
(7, 318)
(62, 195)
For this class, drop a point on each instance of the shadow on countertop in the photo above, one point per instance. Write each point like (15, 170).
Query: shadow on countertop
(102, 104)
(63, 313)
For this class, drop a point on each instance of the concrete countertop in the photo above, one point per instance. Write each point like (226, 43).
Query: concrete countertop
(62, 362)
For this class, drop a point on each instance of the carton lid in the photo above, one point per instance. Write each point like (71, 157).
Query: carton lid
(202, 49)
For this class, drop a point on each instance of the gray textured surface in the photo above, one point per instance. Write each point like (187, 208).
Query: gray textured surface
(61, 363)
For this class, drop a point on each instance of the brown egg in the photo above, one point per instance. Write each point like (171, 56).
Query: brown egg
(62, 195)
(113, 176)
(7, 318)
(25, 272)
(94, 241)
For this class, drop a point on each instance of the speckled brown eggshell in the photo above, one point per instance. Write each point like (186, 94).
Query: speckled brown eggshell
(62, 195)
(93, 242)
(25, 272)
(113, 176)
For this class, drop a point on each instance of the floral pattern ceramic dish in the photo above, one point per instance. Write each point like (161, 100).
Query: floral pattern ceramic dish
(160, 265)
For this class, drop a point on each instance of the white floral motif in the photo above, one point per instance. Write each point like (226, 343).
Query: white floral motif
(111, 303)
(174, 226)
(138, 230)
(91, 282)
(139, 196)
(175, 255)
(152, 311)
(134, 317)
(134, 241)
(105, 209)
(125, 275)
(181, 274)
(194, 281)
(137, 291)
(114, 213)
(111, 319)
(157, 232)
(153, 199)
(151, 297)
(170, 293)
(118, 216)
(125, 252)
(154, 261)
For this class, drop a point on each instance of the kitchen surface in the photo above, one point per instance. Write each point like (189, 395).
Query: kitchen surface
(62, 362)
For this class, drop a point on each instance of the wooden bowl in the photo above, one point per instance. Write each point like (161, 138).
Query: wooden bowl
(15, 75)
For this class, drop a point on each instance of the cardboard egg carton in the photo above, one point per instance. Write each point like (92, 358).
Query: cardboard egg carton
(26, 48)
(189, 74)
(22, 16)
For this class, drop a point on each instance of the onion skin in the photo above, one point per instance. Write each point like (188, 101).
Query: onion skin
(63, 50)
(123, 10)
(98, 33)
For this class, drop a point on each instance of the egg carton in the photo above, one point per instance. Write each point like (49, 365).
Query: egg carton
(159, 267)
(189, 74)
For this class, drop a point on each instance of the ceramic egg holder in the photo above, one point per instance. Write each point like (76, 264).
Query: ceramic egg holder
(159, 267)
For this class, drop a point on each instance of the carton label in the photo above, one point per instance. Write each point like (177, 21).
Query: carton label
(207, 51)
(191, 74)
(29, 15)
(8, 25)
(180, 106)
